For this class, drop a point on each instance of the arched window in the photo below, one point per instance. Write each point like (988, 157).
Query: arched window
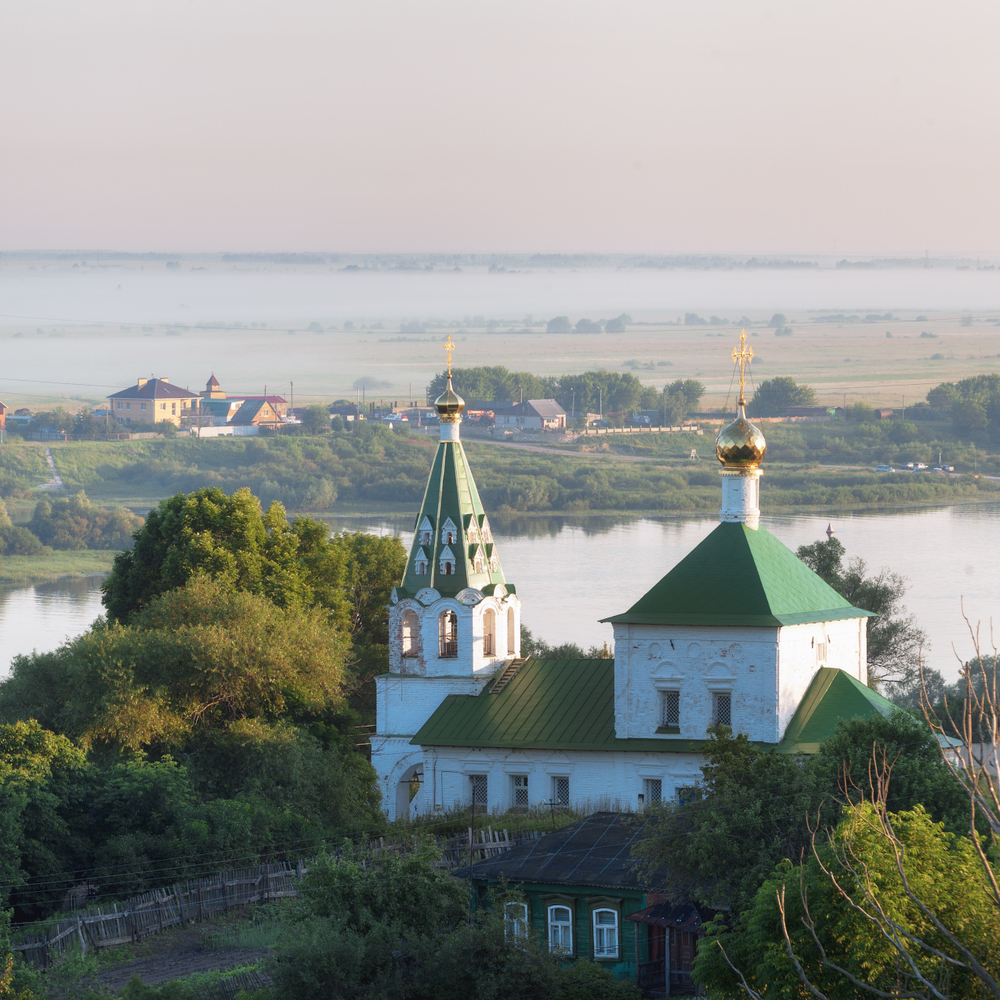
(561, 930)
(605, 933)
(411, 633)
(449, 533)
(489, 632)
(447, 561)
(426, 532)
(511, 633)
(448, 634)
(420, 567)
(479, 562)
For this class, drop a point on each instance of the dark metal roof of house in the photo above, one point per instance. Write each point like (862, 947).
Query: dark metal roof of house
(545, 408)
(592, 851)
(248, 411)
(154, 388)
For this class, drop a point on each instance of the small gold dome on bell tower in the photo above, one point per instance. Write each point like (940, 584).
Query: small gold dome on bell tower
(449, 404)
(741, 445)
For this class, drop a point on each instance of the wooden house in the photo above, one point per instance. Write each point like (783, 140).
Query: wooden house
(582, 893)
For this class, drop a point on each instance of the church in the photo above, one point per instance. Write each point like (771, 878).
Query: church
(739, 633)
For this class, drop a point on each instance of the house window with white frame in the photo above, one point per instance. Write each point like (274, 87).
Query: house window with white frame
(560, 790)
(561, 930)
(670, 709)
(519, 791)
(515, 921)
(605, 933)
(722, 709)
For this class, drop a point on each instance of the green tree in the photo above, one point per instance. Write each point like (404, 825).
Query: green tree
(894, 640)
(316, 419)
(229, 539)
(76, 523)
(775, 395)
(890, 904)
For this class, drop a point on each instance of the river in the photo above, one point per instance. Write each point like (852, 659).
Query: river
(572, 571)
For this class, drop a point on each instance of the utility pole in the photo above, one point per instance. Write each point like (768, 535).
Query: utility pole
(600, 398)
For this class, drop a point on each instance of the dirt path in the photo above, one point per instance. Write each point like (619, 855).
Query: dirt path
(55, 483)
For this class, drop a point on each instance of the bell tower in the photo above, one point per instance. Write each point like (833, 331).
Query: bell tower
(454, 620)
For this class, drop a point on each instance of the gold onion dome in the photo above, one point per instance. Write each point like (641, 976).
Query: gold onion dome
(449, 404)
(741, 445)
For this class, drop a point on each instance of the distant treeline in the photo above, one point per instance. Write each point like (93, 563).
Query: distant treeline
(72, 525)
(373, 463)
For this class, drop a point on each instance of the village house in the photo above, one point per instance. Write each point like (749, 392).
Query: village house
(153, 400)
(217, 409)
(739, 633)
(581, 891)
(531, 415)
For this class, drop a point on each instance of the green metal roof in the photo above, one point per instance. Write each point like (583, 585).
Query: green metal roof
(549, 705)
(833, 695)
(451, 493)
(739, 576)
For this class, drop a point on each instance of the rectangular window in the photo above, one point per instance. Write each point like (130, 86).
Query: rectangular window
(605, 933)
(561, 930)
(163, 406)
(142, 406)
(519, 791)
(670, 709)
(119, 405)
(480, 790)
(560, 791)
(820, 652)
(653, 789)
(723, 710)
(128, 406)
(515, 919)
(173, 408)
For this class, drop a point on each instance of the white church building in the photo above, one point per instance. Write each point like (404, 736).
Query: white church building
(740, 633)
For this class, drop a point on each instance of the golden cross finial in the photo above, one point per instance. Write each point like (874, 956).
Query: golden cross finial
(449, 346)
(742, 356)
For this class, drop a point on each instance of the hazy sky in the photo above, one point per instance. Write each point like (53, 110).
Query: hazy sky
(426, 125)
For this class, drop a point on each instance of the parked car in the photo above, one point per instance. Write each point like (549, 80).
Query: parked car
(919, 467)
(910, 465)
(884, 468)
(947, 468)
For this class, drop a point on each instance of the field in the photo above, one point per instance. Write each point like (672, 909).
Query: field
(289, 332)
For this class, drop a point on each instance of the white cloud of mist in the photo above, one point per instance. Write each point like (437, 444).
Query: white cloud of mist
(429, 125)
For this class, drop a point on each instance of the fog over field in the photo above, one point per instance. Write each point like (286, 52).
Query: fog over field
(81, 327)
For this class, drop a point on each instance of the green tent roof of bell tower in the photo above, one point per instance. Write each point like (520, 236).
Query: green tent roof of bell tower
(451, 504)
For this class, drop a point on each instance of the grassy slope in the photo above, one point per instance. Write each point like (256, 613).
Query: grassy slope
(380, 471)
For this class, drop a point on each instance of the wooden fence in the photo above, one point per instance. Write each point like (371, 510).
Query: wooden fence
(110, 924)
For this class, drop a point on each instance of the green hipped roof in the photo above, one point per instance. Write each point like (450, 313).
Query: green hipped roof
(549, 705)
(451, 493)
(833, 695)
(739, 576)
(570, 705)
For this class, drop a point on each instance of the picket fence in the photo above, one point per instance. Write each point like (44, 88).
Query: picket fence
(110, 924)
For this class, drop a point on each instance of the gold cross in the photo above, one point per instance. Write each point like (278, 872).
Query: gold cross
(742, 356)
(449, 346)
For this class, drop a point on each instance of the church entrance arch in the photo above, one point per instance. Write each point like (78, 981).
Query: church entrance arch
(406, 770)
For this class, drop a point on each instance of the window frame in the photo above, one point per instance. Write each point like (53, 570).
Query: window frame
(717, 698)
(647, 786)
(556, 778)
(560, 949)
(605, 954)
(409, 633)
(515, 788)
(479, 780)
(516, 928)
(448, 635)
